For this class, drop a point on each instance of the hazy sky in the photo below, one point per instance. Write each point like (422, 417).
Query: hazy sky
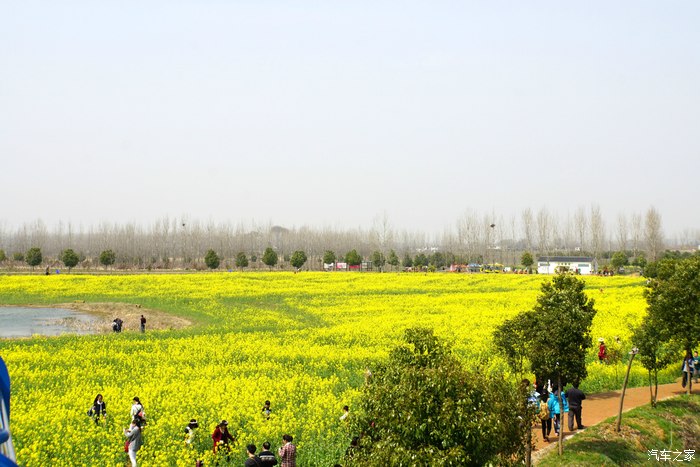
(329, 113)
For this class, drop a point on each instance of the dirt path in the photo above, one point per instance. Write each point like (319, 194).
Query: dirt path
(598, 407)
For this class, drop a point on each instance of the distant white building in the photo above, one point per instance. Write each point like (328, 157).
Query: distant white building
(580, 264)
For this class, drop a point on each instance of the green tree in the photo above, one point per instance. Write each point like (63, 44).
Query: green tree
(241, 260)
(33, 257)
(3, 256)
(619, 259)
(655, 353)
(407, 261)
(674, 302)
(353, 258)
(329, 257)
(558, 333)
(420, 260)
(377, 259)
(211, 259)
(298, 259)
(69, 258)
(423, 404)
(269, 257)
(107, 258)
(510, 339)
(527, 260)
(393, 259)
(17, 256)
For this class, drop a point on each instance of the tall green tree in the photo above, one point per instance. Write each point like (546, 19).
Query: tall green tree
(107, 258)
(69, 258)
(511, 340)
(420, 260)
(393, 259)
(298, 259)
(673, 297)
(269, 257)
(33, 257)
(329, 257)
(212, 259)
(353, 258)
(655, 353)
(407, 261)
(527, 260)
(558, 332)
(241, 260)
(423, 407)
(377, 259)
(3, 256)
(618, 260)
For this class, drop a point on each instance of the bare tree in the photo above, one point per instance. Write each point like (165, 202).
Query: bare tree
(636, 224)
(597, 231)
(527, 220)
(653, 234)
(622, 232)
(581, 222)
(543, 230)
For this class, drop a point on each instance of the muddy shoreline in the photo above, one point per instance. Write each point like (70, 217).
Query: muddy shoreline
(105, 313)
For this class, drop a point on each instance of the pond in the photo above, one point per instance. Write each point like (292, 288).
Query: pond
(25, 322)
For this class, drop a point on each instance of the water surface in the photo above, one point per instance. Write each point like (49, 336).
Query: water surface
(25, 322)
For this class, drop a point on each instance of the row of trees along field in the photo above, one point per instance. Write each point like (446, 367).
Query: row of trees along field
(475, 238)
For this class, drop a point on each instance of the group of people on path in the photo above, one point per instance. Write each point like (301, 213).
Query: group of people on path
(545, 402)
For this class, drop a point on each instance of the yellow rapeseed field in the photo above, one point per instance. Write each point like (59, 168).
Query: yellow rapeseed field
(302, 341)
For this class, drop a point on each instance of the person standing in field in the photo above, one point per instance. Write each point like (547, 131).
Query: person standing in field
(602, 351)
(575, 397)
(252, 460)
(137, 409)
(143, 323)
(221, 437)
(288, 452)
(190, 431)
(134, 439)
(99, 408)
(346, 414)
(266, 410)
(266, 456)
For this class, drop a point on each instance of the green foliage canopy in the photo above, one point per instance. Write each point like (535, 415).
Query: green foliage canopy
(107, 258)
(424, 408)
(353, 258)
(269, 257)
(211, 259)
(241, 260)
(298, 259)
(33, 256)
(70, 258)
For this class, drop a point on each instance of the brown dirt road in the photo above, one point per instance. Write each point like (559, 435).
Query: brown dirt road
(598, 407)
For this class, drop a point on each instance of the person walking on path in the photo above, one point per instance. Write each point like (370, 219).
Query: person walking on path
(134, 439)
(575, 396)
(266, 456)
(545, 417)
(555, 411)
(288, 452)
(687, 368)
(143, 323)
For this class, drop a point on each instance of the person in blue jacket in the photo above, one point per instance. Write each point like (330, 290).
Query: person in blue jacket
(554, 409)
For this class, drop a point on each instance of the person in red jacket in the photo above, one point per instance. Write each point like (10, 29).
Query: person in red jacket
(602, 351)
(222, 437)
